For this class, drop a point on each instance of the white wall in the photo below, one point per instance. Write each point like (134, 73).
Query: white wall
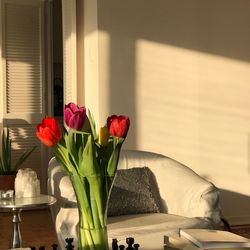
(181, 71)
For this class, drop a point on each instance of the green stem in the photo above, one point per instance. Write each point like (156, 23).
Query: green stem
(92, 225)
(82, 199)
(94, 239)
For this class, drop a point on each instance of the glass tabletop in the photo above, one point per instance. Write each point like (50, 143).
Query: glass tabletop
(37, 201)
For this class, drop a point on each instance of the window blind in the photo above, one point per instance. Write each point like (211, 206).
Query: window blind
(23, 60)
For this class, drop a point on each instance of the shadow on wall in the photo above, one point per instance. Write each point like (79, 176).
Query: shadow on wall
(238, 202)
(215, 27)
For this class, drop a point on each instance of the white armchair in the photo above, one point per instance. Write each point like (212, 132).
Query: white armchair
(187, 201)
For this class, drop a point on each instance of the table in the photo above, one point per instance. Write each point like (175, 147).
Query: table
(16, 205)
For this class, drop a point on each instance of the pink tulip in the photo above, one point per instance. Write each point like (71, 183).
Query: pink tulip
(74, 116)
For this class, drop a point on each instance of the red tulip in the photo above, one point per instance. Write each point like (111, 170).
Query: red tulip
(118, 125)
(49, 131)
(74, 116)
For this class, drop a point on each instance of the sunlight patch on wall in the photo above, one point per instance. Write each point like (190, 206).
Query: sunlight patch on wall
(91, 72)
(195, 108)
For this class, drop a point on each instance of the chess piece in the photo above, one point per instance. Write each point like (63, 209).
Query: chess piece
(69, 245)
(42, 248)
(130, 241)
(136, 246)
(54, 246)
(33, 248)
(121, 247)
(114, 244)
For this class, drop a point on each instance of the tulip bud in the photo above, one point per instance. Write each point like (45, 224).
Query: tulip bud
(118, 125)
(49, 131)
(103, 138)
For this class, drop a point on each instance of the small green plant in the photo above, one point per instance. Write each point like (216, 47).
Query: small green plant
(6, 166)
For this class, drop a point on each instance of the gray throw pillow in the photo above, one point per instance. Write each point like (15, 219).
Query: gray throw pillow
(135, 191)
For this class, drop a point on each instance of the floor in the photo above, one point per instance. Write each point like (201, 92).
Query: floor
(243, 230)
(37, 229)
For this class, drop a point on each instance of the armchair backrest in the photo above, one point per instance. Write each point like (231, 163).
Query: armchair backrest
(182, 191)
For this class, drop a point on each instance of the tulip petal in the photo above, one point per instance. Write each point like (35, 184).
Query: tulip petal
(103, 138)
(118, 125)
(49, 131)
(73, 107)
(67, 115)
(46, 137)
(71, 112)
(46, 122)
(76, 121)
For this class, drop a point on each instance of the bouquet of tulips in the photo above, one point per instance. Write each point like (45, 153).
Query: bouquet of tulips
(91, 162)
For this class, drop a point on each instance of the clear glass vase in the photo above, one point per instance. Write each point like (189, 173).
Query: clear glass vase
(92, 202)
(93, 239)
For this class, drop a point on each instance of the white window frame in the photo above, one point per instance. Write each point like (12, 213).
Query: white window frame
(69, 51)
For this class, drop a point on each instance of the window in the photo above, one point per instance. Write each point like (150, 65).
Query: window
(24, 95)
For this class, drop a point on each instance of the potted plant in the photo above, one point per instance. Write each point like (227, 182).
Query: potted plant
(7, 169)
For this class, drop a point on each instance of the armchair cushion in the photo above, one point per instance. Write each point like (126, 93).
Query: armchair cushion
(135, 191)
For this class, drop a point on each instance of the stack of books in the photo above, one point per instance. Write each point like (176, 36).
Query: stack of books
(196, 239)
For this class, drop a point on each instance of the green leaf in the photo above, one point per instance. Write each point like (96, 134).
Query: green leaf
(89, 166)
(5, 158)
(71, 146)
(2, 169)
(114, 157)
(92, 125)
(80, 187)
(62, 156)
(97, 198)
(81, 141)
(6, 150)
(22, 158)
